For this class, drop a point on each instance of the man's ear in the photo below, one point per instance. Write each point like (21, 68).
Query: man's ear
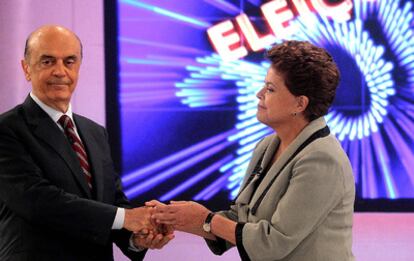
(303, 102)
(26, 69)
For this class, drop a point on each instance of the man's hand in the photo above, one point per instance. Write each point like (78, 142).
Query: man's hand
(152, 241)
(138, 219)
(156, 235)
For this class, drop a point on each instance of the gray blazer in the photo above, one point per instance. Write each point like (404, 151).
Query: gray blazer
(307, 212)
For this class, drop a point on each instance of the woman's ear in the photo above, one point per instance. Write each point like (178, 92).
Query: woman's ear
(302, 103)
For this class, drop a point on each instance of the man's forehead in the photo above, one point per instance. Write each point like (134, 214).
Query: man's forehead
(54, 39)
(49, 32)
(56, 48)
(56, 42)
(55, 52)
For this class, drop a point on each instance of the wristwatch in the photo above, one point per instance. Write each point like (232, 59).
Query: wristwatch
(207, 222)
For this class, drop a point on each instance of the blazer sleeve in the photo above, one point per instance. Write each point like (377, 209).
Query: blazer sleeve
(219, 246)
(315, 188)
(27, 193)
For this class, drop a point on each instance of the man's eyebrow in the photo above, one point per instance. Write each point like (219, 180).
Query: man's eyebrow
(46, 56)
(74, 57)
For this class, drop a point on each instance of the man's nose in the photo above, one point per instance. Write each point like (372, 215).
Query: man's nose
(59, 69)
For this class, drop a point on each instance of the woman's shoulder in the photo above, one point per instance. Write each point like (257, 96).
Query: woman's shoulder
(329, 152)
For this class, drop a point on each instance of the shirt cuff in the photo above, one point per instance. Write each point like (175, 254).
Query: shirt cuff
(119, 219)
(239, 242)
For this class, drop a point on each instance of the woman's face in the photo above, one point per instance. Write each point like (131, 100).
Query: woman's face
(276, 104)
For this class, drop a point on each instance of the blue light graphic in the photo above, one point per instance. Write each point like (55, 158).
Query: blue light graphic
(165, 12)
(356, 42)
(175, 91)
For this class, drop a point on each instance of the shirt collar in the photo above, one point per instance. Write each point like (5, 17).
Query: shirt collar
(54, 114)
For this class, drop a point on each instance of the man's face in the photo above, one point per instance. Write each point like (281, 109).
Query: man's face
(53, 67)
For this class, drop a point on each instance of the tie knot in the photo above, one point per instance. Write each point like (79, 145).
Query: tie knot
(65, 122)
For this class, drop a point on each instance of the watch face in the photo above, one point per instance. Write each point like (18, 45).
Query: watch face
(206, 228)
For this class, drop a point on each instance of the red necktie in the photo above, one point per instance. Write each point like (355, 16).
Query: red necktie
(77, 146)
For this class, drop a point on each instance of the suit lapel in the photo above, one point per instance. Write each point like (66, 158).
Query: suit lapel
(94, 155)
(46, 130)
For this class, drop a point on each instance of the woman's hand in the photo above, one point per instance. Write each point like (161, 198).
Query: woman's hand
(187, 216)
(161, 228)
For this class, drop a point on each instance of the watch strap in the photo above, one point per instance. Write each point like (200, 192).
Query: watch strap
(207, 222)
(209, 218)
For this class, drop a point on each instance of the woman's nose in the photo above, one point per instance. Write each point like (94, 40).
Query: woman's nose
(259, 94)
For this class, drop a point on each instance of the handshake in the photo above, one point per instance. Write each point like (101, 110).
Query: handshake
(146, 232)
(153, 225)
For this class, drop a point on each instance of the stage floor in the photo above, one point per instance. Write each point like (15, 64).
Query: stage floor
(377, 237)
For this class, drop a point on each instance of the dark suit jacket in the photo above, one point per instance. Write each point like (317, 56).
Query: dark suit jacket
(47, 211)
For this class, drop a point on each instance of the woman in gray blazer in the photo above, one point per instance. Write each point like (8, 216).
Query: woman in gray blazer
(296, 200)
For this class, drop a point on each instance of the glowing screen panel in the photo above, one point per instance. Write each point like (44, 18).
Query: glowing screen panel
(190, 70)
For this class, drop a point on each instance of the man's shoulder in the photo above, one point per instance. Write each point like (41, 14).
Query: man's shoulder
(11, 116)
(21, 113)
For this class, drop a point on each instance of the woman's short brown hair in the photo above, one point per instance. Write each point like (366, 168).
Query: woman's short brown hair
(307, 70)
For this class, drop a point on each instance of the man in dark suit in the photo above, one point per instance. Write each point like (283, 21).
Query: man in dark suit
(60, 198)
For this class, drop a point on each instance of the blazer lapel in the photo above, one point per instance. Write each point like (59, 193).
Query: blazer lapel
(45, 129)
(276, 167)
(270, 151)
(247, 188)
(95, 160)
